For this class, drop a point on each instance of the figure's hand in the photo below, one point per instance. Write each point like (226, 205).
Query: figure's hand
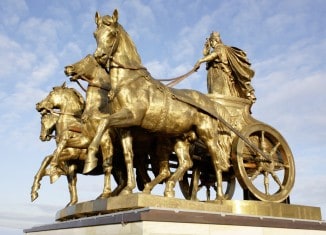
(207, 44)
(197, 66)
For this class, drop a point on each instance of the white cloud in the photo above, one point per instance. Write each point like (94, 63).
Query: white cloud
(12, 11)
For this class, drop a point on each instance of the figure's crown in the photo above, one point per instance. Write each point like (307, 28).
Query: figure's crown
(214, 35)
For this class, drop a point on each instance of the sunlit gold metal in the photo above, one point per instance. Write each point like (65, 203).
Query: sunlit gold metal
(237, 207)
(228, 69)
(180, 135)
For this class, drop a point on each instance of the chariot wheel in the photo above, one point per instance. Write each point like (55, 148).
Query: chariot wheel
(268, 176)
(196, 180)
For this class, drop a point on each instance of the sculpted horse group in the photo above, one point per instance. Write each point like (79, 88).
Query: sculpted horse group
(123, 98)
(139, 100)
(64, 119)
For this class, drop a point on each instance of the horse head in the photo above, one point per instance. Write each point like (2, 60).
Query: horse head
(107, 37)
(50, 102)
(48, 126)
(85, 69)
(88, 70)
(114, 45)
(67, 100)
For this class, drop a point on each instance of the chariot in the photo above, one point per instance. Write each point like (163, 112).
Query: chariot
(261, 160)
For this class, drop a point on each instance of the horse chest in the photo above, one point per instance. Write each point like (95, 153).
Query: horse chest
(156, 114)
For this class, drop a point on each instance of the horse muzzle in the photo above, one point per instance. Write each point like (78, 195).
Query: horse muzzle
(69, 70)
(45, 138)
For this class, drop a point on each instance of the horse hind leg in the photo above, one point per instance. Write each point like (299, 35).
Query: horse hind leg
(219, 151)
(72, 184)
(220, 161)
(160, 161)
(107, 155)
(181, 148)
(128, 156)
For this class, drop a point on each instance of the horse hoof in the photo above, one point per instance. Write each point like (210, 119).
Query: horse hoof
(104, 196)
(89, 166)
(71, 204)
(125, 192)
(34, 196)
(146, 190)
(221, 197)
(170, 194)
(54, 178)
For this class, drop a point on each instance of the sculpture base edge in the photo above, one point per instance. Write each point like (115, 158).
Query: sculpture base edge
(139, 200)
(146, 221)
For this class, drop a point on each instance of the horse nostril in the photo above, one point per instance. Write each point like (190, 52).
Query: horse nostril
(68, 70)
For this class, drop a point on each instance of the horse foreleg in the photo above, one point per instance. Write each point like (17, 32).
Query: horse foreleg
(91, 160)
(72, 184)
(54, 174)
(126, 139)
(181, 149)
(39, 175)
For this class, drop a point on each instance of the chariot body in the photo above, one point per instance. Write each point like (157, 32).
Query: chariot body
(261, 160)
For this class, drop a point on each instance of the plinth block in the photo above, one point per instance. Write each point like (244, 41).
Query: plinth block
(149, 221)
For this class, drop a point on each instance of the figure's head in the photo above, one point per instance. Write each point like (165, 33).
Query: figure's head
(215, 38)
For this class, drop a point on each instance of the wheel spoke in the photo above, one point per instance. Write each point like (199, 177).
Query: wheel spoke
(274, 149)
(256, 173)
(266, 183)
(276, 179)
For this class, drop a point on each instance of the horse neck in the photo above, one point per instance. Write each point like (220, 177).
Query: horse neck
(96, 100)
(64, 122)
(70, 105)
(125, 66)
(53, 119)
(126, 52)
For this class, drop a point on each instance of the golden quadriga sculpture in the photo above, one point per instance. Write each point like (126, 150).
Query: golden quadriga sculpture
(130, 120)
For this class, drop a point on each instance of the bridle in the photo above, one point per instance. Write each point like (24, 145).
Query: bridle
(172, 81)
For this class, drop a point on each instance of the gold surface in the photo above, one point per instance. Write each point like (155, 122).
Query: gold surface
(131, 122)
(139, 200)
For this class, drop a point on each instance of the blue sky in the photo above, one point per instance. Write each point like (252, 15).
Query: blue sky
(284, 40)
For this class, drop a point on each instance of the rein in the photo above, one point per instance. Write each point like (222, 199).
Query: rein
(176, 80)
(172, 81)
(54, 112)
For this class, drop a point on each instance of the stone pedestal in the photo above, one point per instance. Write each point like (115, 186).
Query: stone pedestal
(139, 214)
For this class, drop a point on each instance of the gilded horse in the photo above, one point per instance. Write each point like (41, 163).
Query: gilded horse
(73, 164)
(73, 138)
(145, 144)
(139, 100)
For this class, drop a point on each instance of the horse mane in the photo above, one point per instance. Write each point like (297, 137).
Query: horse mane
(80, 99)
(133, 58)
(76, 100)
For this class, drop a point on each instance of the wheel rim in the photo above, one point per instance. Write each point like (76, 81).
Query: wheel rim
(268, 179)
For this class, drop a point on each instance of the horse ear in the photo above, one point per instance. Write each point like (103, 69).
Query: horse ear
(115, 15)
(97, 18)
(63, 85)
